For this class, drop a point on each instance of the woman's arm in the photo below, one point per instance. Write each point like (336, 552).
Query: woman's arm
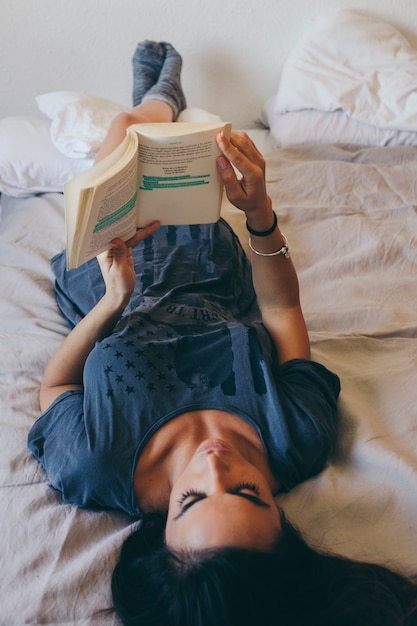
(64, 371)
(274, 277)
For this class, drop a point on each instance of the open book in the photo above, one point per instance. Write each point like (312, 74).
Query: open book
(164, 172)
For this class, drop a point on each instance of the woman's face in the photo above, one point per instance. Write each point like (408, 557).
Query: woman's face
(221, 499)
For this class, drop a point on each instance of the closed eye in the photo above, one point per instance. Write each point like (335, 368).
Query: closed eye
(188, 498)
(191, 497)
(242, 489)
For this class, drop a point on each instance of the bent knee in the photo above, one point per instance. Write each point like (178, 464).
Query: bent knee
(123, 120)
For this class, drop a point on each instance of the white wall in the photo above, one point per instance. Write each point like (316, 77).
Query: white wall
(233, 49)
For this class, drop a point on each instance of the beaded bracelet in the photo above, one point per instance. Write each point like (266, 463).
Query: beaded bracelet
(284, 250)
(263, 233)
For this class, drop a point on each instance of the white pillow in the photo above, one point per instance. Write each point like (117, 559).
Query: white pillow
(311, 126)
(80, 121)
(196, 115)
(29, 162)
(356, 63)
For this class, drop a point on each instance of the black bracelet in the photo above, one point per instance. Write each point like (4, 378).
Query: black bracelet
(263, 233)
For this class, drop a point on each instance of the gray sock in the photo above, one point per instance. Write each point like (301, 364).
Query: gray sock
(147, 63)
(168, 86)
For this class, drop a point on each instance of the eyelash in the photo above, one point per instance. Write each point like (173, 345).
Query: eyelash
(247, 485)
(187, 494)
(239, 487)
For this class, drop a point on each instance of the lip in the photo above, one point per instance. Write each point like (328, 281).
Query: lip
(211, 444)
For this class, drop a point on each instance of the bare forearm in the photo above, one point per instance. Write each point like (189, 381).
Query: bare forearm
(275, 279)
(67, 364)
(276, 285)
(274, 276)
(65, 369)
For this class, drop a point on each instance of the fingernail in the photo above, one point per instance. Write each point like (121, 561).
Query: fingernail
(223, 162)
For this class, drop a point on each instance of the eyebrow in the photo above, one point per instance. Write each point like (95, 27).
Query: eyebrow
(247, 496)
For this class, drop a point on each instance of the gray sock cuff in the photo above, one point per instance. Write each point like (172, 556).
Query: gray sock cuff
(176, 103)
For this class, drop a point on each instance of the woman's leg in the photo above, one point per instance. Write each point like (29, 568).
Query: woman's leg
(158, 94)
(168, 86)
(147, 62)
(147, 112)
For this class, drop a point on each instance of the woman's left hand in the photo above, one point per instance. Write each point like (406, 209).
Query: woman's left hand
(247, 192)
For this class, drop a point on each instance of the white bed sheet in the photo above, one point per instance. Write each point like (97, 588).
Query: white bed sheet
(52, 556)
(350, 218)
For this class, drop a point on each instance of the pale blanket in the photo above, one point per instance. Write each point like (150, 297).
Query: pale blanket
(351, 223)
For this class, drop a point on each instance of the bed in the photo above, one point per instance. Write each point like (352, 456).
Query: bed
(343, 178)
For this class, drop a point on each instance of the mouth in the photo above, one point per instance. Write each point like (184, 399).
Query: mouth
(211, 444)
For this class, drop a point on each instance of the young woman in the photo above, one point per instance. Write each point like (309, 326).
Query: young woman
(186, 388)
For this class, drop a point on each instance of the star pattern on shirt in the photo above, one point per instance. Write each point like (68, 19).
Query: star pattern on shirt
(143, 360)
(145, 357)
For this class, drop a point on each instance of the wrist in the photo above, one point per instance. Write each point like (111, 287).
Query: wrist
(261, 220)
(114, 303)
(263, 232)
(283, 249)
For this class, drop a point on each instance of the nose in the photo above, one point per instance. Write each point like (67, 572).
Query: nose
(218, 466)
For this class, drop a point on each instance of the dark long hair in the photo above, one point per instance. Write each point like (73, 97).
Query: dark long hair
(293, 585)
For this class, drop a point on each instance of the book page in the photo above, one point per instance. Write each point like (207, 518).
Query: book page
(105, 208)
(178, 179)
(164, 172)
(115, 211)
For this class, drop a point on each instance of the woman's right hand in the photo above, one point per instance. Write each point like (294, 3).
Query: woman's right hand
(117, 266)
(118, 272)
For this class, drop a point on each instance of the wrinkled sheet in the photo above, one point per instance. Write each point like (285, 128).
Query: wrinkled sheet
(350, 218)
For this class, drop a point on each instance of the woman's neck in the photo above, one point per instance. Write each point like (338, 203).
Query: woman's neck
(169, 450)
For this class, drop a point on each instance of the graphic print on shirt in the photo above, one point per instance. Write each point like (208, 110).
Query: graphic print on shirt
(171, 359)
(197, 361)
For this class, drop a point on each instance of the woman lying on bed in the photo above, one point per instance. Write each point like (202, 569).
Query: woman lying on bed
(185, 395)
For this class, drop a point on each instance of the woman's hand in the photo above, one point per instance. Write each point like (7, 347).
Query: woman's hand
(118, 272)
(117, 266)
(247, 192)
